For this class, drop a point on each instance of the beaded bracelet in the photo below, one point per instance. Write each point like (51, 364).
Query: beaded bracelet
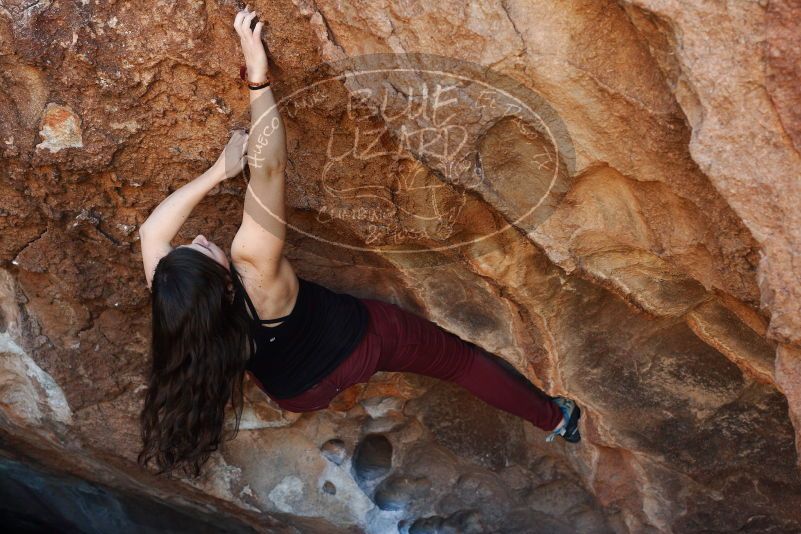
(243, 73)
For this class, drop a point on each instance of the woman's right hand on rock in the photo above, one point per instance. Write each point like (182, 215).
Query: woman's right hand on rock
(252, 47)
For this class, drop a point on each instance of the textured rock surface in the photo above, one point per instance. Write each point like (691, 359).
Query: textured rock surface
(660, 287)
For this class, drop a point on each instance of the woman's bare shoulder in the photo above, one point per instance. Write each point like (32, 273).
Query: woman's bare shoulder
(273, 294)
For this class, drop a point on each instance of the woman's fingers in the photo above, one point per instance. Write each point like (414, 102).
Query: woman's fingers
(244, 144)
(246, 23)
(245, 18)
(238, 21)
(239, 136)
(251, 40)
(236, 138)
(233, 156)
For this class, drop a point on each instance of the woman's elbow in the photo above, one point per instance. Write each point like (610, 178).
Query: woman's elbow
(269, 171)
(277, 168)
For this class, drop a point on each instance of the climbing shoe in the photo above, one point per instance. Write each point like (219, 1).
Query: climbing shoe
(571, 413)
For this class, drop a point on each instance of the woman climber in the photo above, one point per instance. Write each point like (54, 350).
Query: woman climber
(215, 318)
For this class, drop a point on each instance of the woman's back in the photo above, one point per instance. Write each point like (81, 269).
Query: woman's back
(318, 332)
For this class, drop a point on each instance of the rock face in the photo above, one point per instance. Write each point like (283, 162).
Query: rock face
(637, 250)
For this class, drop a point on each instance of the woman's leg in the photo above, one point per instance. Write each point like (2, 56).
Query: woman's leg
(411, 343)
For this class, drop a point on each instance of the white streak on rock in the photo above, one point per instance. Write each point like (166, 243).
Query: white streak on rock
(26, 391)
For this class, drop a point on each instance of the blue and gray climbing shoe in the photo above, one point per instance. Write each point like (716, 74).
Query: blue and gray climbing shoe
(571, 413)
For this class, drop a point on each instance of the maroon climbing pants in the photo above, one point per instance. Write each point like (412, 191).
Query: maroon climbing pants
(398, 340)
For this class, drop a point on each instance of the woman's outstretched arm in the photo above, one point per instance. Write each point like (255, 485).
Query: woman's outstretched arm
(159, 229)
(260, 239)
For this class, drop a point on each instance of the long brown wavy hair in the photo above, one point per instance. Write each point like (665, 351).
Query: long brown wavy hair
(200, 347)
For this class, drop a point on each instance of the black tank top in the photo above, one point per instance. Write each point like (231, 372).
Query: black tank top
(322, 329)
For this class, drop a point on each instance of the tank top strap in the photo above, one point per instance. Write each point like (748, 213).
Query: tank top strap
(241, 287)
(278, 320)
